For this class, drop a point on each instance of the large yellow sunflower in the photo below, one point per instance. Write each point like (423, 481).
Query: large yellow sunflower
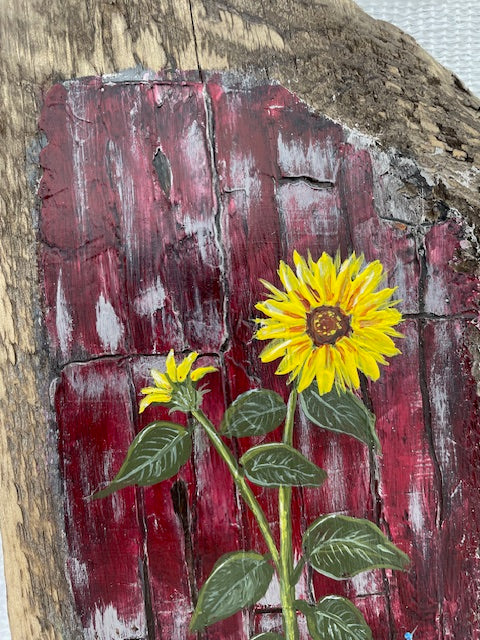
(330, 322)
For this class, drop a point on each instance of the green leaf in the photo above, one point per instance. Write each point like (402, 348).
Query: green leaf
(341, 412)
(254, 413)
(238, 580)
(274, 464)
(156, 453)
(335, 617)
(340, 547)
(268, 636)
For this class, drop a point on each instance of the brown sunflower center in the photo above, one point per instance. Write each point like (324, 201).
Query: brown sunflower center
(325, 325)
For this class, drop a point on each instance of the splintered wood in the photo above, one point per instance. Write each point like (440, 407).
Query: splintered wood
(163, 205)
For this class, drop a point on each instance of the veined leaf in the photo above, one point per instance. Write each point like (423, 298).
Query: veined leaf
(276, 464)
(341, 412)
(341, 546)
(268, 635)
(336, 618)
(238, 580)
(156, 453)
(254, 413)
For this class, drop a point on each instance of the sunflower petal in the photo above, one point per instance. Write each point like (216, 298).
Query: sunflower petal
(160, 379)
(171, 366)
(199, 373)
(161, 398)
(308, 371)
(184, 367)
(325, 370)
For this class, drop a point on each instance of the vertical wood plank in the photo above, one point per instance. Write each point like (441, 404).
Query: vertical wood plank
(94, 414)
(456, 445)
(250, 232)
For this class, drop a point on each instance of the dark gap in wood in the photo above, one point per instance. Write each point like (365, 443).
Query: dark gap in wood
(281, 220)
(212, 153)
(314, 183)
(463, 315)
(194, 34)
(143, 564)
(343, 197)
(192, 559)
(407, 223)
(377, 510)
(147, 596)
(427, 419)
(373, 464)
(241, 514)
(179, 495)
(163, 170)
(259, 612)
(308, 568)
(427, 412)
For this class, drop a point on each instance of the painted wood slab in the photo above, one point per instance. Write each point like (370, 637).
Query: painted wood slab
(163, 203)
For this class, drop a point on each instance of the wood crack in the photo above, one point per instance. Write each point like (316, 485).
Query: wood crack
(194, 34)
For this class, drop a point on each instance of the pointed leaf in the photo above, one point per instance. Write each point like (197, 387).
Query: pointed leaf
(341, 412)
(340, 547)
(156, 453)
(254, 413)
(238, 580)
(268, 635)
(275, 464)
(335, 617)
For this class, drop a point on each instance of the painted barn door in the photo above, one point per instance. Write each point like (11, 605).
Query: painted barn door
(163, 203)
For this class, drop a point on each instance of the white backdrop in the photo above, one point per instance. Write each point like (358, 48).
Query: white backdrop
(449, 31)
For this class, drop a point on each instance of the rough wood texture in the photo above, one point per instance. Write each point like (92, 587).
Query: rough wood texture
(163, 203)
(366, 74)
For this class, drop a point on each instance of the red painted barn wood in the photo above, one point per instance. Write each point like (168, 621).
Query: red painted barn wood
(163, 205)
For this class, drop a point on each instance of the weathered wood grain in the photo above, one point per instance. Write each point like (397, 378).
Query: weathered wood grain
(272, 177)
(378, 80)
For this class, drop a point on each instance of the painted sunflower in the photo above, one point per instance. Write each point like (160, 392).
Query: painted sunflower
(331, 321)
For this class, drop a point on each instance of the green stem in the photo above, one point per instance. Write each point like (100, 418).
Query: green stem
(245, 491)
(287, 584)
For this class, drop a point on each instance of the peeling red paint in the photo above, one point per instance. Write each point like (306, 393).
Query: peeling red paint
(163, 205)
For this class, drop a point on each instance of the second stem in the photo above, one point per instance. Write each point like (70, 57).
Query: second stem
(287, 588)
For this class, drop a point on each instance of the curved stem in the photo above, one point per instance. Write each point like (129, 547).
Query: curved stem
(245, 491)
(287, 584)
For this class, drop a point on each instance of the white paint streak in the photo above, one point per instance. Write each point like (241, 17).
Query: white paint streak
(244, 176)
(301, 588)
(366, 583)
(151, 299)
(63, 319)
(314, 208)
(268, 623)
(192, 147)
(334, 466)
(201, 445)
(436, 293)
(272, 595)
(415, 512)
(316, 160)
(79, 573)
(126, 194)
(91, 386)
(181, 618)
(204, 320)
(106, 624)
(109, 328)
(79, 129)
(204, 233)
